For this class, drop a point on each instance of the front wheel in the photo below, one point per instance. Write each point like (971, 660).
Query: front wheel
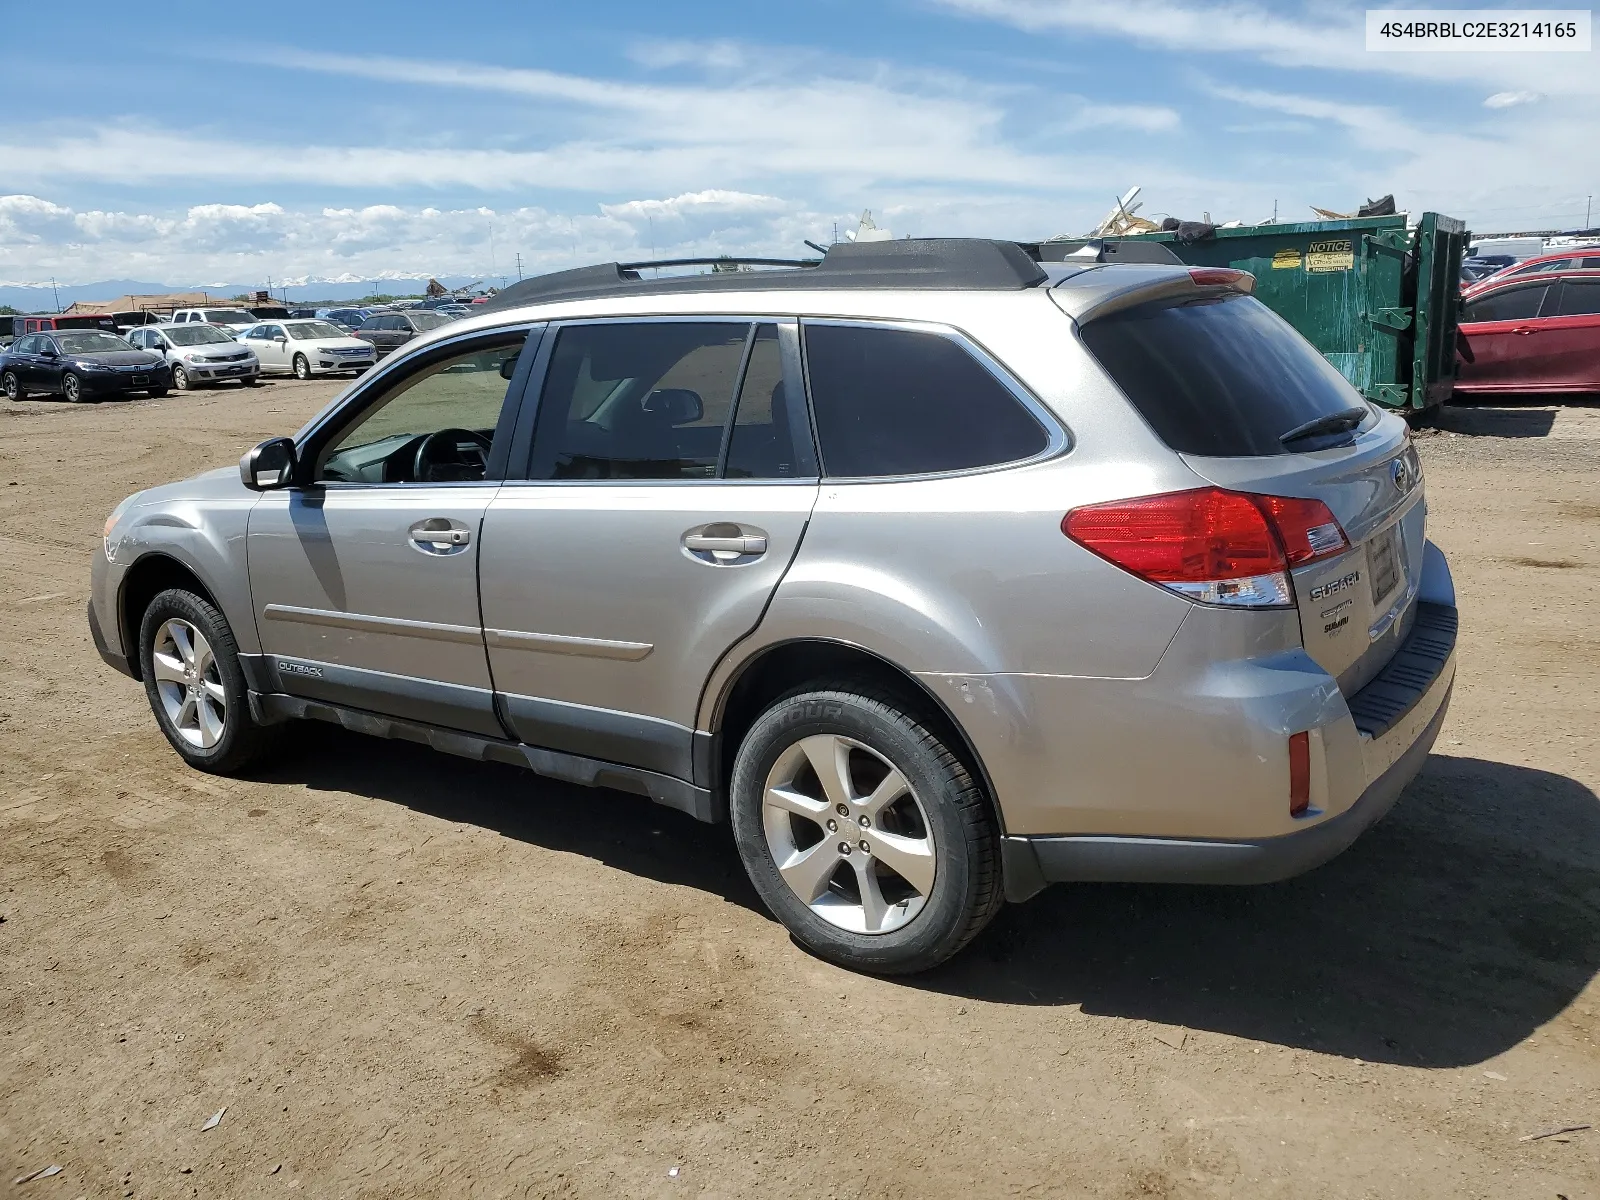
(180, 379)
(863, 831)
(302, 368)
(157, 393)
(195, 685)
(72, 388)
(12, 386)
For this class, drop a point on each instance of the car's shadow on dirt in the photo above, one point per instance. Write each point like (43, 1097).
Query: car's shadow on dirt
(623, 831)
(1450, 932)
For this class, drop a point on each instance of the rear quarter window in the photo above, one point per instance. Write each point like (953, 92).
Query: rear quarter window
(1217, 376)
(893, 401)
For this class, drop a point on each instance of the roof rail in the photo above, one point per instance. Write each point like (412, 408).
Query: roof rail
(1103, 250)
(964, 264)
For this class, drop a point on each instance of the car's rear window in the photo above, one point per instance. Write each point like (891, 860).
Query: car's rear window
(1217, 376)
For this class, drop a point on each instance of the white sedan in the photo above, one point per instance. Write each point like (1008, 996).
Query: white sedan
(305, 348)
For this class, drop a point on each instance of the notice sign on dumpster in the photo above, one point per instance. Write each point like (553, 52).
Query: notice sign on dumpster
(1285, 260)
(1336, 255)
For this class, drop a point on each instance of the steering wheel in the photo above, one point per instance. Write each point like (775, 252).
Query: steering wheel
(439, 458)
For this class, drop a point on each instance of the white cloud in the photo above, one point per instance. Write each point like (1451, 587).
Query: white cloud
(1317, 37)
(1512, 99)
(1145, 118)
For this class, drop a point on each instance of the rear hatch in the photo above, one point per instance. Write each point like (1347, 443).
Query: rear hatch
(1250, 406)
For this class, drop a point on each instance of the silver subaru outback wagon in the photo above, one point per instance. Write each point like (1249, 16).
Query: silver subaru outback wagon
(939, 574)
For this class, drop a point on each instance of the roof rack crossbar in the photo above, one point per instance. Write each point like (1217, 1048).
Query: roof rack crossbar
(722, 260)
(963, 264)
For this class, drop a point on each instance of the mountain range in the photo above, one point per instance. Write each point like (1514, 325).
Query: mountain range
(35, 297)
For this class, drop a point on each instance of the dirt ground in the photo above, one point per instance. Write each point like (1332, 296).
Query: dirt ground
(408, 975)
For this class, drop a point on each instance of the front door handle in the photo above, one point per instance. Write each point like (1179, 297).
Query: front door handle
(439, 535)
(743, 544)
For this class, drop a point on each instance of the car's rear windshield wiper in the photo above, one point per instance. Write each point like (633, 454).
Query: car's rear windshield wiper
(1342, 421)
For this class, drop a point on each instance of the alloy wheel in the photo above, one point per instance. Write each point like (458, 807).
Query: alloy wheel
(180, 379)
(302, 368)
(848, 834)
(72, 388)
(12, 388)
(189, 683)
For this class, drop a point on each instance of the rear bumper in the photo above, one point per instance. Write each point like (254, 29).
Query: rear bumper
(1398, 717)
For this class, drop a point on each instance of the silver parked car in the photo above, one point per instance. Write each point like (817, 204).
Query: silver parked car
(199, 354)
(940, 574)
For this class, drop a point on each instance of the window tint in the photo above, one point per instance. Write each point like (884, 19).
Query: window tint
(1589, 264)
(464, 391)
(1512, 304)
(1579, 299)
(1220, 376)
(901, 402)
(762, 444)
(637, 401)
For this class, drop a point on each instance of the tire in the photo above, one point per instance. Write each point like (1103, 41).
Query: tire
(253, 381)
(72, 388)
(157, 393)
(12, 386)
(302, 368)
(180, 379)
(204, 713)
(938, 828)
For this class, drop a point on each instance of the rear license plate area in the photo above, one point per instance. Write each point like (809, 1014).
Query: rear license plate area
(1383, 564)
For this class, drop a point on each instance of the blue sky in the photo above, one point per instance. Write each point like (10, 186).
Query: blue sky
(188, 145)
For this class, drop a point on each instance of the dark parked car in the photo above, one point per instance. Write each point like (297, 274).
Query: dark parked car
(1539, 334)
(80, 364)
(389, 331)
(348, 318)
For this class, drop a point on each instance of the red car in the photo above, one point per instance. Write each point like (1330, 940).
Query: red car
(1581, 258)
(1536, 334)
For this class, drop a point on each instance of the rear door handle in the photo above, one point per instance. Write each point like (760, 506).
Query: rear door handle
(746, 544)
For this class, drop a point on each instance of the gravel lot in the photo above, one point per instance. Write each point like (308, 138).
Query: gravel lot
(404, 974)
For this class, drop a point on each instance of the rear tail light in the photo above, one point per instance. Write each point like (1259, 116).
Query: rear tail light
(1238, 281)
(1299, 773)
(1210, 545)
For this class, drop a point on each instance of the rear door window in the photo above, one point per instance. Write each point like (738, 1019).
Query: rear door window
(1579, 298)
(638, 400)
(1510, 304)
(1217, 376)
(891, 401)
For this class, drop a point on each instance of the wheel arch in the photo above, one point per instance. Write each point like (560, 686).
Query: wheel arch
(147, 578)
(783, 666)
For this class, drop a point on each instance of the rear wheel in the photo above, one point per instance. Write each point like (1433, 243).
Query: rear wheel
(12, 386)
(180, 379)
(72, 388)
(863, 832)
(195, 685)
(302, 368)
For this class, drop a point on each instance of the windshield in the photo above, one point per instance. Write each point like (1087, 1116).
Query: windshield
(229, 316)
(196, 335)
(91, 343)
(428, 320)
(306, 331)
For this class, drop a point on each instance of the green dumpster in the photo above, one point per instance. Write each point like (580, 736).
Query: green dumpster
(1378, 300)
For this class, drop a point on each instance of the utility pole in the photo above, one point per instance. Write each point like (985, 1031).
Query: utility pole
(519, 266)
(1588, 206)
(55, 293)
(1274, 212)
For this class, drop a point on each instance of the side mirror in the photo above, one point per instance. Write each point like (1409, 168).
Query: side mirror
(508, 366)
(678, 406)
(48, 352)
(269, 466)
(282, 341)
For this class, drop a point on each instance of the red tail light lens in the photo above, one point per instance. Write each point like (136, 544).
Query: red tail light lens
(1239, 281)
(1299, 773)
(1308, 530)
(1210, 545)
